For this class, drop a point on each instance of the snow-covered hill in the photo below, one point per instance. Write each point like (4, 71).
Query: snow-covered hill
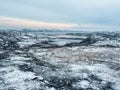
(59, 61)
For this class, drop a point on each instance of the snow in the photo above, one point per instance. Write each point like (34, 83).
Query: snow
(18, 58)
(108, 42)
(69, 68)
(96, 49)
(84, 84)
(24, 44)
(19, 80)
(1, 52)
(18, 76)
(50, 88)
(104, 72)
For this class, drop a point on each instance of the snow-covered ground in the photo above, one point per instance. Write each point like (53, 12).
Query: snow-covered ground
(44, 62)
(108, 42)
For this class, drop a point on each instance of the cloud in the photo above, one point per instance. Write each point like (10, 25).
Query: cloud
(95, 12)
(22, 23)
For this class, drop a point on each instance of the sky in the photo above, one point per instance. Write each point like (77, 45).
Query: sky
(59, 13)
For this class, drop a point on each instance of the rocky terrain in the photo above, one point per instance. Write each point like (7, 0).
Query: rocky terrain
(58, 60)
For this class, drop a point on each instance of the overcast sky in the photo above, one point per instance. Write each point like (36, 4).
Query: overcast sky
(64, 13)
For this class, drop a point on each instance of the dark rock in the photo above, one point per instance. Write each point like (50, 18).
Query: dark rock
(4, 55)
(25, 67)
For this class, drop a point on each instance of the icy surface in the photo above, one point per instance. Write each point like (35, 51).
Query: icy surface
(71, 61)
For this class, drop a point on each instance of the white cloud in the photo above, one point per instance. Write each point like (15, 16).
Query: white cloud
(22, 23)
(95, 12)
